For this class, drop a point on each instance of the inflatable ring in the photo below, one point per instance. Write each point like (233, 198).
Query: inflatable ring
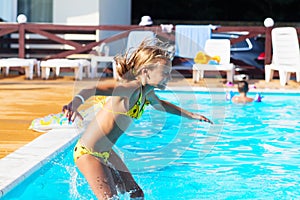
(258, 97)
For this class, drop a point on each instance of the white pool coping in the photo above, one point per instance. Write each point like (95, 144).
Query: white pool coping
(19, 165)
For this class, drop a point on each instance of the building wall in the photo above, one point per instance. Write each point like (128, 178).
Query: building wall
(92, 12)
(115, 12)
(82, 12)
(76, 12)
(8, 10)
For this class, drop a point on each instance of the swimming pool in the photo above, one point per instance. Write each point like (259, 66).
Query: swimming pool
(251, 152)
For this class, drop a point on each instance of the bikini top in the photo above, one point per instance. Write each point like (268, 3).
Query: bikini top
(137, 109)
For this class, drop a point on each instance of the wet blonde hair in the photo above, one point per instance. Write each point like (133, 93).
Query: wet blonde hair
(129, 65)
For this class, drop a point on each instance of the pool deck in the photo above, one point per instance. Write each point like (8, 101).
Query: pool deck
(23, 150)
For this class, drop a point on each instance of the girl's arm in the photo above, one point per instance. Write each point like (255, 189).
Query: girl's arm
(166, 106)
(102, 89)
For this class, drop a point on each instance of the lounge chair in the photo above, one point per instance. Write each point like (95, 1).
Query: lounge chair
(134, 40)
(286, 56)
(28, 64)
(79, 66)
(101, 58)
(215, 47)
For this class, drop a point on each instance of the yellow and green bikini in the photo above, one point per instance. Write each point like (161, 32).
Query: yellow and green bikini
(135, 112)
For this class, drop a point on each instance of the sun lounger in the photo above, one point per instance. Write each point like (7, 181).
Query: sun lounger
(79, 66)
(215, 47)
(28, 64)
(286, 55)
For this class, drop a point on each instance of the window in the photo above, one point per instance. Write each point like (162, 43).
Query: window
(36, 10)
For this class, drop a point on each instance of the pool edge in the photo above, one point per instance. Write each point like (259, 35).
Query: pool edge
(27, 159)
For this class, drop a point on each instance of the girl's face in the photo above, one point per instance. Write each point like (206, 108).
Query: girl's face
(160, 75)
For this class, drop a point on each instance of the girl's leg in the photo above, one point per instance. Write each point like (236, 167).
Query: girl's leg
(125, 177)
(98, 176)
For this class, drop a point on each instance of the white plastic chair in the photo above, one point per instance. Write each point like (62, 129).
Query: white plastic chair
(215, 47)
(78, 65)
(100, 60)
(286, 56)
(135, 38)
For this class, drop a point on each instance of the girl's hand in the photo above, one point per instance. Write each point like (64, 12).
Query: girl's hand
(71, 112)
(200, 117)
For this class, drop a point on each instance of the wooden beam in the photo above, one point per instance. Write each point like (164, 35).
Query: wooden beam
(21, 40)
(55, 38)
(7, 31)
(75, 51)
(268, 45)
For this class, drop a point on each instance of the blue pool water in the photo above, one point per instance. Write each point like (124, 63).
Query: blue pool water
(251, 152)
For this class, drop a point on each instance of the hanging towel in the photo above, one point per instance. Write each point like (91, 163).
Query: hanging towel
(190, 39)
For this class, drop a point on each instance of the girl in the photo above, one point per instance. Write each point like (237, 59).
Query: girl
(146, 68)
